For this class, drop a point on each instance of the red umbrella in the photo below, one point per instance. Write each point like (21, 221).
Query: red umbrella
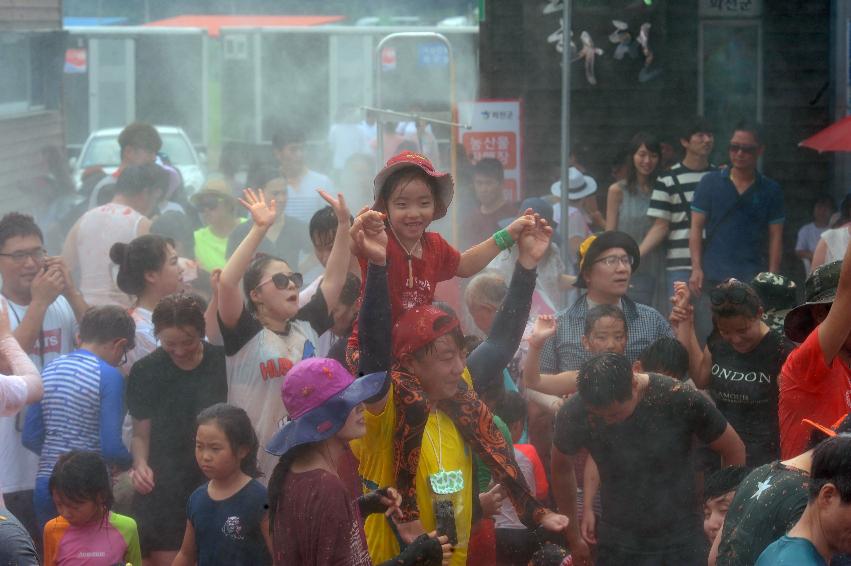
(835, 137)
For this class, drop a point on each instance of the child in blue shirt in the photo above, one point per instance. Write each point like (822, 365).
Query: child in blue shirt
(83, 403)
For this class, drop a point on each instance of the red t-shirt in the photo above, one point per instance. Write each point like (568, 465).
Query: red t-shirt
(439, 262)
(810, 389)
(478, 227)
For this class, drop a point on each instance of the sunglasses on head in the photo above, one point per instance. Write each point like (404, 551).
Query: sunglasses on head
(735, 293)
(748, 149)
(282, 280)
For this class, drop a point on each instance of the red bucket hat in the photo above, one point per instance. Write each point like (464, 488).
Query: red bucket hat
(420, 326)
(445, 184)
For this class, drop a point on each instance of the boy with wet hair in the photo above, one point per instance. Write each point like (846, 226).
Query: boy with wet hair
(666, 356)
(822, 531)
(718, 491)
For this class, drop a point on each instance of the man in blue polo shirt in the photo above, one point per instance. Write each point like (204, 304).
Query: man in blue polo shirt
(742, 212)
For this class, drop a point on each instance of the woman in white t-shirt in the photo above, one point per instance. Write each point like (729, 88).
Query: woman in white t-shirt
(833, 243)
(148, 270)
(267, 333)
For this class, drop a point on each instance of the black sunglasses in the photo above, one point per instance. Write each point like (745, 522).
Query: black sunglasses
(282, 280)
(736, 295)
(748, 149)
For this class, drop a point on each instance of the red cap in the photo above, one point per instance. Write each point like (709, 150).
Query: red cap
(420, 326)
(445, 184)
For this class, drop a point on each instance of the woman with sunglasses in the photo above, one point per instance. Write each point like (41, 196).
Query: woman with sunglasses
(148, 269)
(267, 333)
(740, 366)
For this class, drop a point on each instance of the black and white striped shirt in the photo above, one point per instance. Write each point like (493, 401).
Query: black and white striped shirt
(666, 202)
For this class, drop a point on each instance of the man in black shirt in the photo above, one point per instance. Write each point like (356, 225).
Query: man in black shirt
(639, 429)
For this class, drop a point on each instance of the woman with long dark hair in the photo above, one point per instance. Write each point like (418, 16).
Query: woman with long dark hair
(626, 210)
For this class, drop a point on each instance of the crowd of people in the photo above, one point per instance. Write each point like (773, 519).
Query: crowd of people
(254, 375)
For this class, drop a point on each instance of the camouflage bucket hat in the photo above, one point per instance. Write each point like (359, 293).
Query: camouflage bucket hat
(820, 289)
(778, 295)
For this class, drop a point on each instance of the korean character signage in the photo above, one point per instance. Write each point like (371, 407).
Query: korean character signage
(497, 133)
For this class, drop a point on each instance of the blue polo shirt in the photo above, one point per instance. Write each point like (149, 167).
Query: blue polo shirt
(739, 243)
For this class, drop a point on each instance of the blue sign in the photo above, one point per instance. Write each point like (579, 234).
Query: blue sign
(432, 55)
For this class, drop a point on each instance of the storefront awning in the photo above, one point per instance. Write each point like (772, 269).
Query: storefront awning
(836, 137)
(213, 23)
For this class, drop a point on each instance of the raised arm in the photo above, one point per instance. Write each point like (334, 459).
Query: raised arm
(338, 260)
(211, 324)
(491, 356)
(552, 384)
(18, 361)
(45, 287)
(682, 322)
(479, 256)
(231, 302)
(833, 332)
(374, 320)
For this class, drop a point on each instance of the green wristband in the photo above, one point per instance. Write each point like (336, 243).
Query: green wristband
(503, 239)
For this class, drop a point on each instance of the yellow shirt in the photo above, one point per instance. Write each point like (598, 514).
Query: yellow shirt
(375, 452)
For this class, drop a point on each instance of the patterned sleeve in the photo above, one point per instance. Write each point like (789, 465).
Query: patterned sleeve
(448, 258)
(549, 356)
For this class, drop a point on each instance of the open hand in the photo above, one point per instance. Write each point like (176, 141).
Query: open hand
(341, 210)
(534, 241)
(543, 330)
(262, 213)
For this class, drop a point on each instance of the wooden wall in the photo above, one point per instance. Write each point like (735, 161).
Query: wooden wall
(30, 15)
(23, 135)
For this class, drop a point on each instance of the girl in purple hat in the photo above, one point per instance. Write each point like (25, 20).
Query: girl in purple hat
(316, 516)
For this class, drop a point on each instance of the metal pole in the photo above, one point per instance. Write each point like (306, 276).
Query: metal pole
(565, 136)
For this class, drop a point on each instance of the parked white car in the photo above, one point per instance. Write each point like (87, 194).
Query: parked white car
(101, 148)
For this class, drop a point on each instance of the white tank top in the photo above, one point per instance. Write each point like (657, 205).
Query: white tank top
(99, 229)
(837, 242)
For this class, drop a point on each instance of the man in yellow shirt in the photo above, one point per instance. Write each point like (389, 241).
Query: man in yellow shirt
(444, 480)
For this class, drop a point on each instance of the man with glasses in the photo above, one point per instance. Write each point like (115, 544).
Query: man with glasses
(741, 211)
(606, 263)
(44, 307)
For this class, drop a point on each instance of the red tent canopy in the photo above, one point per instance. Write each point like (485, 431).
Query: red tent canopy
(213, 23)
(836, 137)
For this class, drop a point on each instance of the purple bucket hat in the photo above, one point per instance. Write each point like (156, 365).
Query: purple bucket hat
(319, 394)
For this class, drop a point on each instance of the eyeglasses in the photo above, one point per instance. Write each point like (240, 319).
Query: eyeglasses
(748, 149)
(282, 280)
(614, 260)
(208, 203)
(37, 255)
(733, 292)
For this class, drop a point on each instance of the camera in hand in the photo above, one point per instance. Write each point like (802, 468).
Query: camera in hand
(444, 514)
